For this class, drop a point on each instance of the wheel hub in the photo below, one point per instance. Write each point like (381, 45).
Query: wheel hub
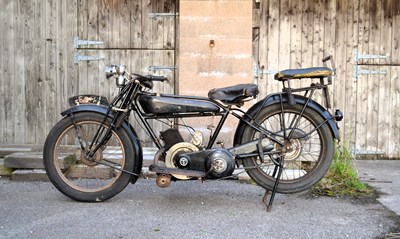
(91, 161)
(292, 149)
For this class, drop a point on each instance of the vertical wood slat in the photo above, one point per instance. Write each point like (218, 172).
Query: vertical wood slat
(273, 43)
(262, 46)
(4, 30)
(296, 36)
(8, 68)
(31, 102)
(373, 80)
(50, 65)
(350, 104)
(384, 82)
(395, 84)
(361, 112)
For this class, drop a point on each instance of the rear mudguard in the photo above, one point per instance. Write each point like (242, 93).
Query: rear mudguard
(125, 126)
(276, 99)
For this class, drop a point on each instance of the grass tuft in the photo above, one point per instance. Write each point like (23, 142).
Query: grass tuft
(342, 178)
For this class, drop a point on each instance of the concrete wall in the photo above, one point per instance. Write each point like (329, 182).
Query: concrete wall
(215, 50)
(204, 65)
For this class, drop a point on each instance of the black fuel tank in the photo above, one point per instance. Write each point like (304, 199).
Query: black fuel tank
(170, 105)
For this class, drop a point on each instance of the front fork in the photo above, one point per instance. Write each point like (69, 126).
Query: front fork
(102, 136)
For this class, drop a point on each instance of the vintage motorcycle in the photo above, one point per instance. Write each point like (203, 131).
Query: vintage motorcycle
(285, 142)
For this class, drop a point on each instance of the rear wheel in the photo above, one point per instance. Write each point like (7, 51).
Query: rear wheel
(308, 151)
(82, 178)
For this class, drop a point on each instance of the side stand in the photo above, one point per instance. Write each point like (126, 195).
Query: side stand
(278, 169)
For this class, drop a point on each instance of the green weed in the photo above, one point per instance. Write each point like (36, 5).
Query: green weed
(342, 178)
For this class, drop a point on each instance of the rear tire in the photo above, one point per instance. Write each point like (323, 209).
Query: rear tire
(308, 158)
(74, 175)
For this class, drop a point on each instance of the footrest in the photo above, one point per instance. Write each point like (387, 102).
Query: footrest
(190, 173)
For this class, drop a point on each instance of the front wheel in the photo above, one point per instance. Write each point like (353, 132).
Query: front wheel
(79, 177)
(308, 149)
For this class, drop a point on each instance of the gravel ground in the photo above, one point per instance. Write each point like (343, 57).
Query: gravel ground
(215, 209)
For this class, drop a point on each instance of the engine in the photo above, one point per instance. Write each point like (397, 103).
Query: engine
(217, 162)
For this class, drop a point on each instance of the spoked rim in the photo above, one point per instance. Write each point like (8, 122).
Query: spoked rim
(83, 174)
(302, 152)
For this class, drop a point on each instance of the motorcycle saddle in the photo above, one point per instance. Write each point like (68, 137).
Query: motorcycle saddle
(314, 72)
(236, 94)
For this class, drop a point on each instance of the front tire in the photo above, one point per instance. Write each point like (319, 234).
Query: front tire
(307, 158)
(76, 176)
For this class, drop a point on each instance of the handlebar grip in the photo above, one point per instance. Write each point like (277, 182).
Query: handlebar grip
(157, 78)
(327, 58)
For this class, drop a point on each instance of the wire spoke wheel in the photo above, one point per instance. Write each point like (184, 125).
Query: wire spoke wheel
(81, 177)
(307, 148)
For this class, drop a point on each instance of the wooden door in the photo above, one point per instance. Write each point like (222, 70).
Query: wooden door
(138, 34)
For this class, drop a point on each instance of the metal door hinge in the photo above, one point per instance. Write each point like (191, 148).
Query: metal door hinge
(358, 56)
(360, 71)
(260, 71)
(77, 57)
(366, 152)
(162, 15)
(162, 68)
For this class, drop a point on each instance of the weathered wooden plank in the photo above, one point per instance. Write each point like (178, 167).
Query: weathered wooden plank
(350, 82)
(262, 60)
(7, 55)
(82, 19)
(284, 32)
(124, 8)
(330, 24)
(384, 115)
(273, 45)
(86, 30)
(70, 24)
(136, 24)
(373, 80)
(362, 89)
(147, 29)
(41, 84)
(318, 33)
(307, 34)
(158, 25)
(104, 23)
(52, 111)
(394, 141)
(31, 71)
(169, 25)
(340, 55)
(296, 36)
(93, 21)
(2, 53)
(6, 28)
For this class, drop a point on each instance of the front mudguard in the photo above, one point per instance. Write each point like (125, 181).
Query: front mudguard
(126, 126)
(276, 99)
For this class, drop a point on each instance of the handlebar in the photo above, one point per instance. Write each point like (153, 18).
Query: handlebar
(327, 58)
(156, 78)
(148, 80)
(122, 76)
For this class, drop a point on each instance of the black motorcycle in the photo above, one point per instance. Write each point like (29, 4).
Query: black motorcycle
(285, 142)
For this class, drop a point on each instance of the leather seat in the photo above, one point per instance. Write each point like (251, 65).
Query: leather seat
(236, 94)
